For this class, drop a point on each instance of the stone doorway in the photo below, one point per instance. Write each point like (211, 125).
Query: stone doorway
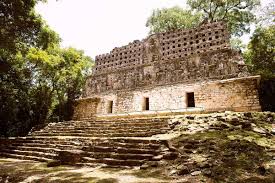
(145, 104)
(190, 99)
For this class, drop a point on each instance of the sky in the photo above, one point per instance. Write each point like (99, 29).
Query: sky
(97, 26)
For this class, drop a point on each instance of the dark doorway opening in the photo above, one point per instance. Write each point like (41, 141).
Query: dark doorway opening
(145, 106)
(190, 99)
(110, 106)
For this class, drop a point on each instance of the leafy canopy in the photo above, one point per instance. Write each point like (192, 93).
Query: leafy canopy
(237, 13)
(261, 52)
(168, 19)
(39, 80)
(18, 23)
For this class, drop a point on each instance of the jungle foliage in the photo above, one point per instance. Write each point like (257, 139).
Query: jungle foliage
(39, 80)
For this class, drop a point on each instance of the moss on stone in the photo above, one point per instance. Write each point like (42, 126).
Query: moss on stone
(230, 153)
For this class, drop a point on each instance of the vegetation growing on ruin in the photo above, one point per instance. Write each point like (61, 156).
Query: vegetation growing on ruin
(169, 19)
(230, 149)
(237, 14)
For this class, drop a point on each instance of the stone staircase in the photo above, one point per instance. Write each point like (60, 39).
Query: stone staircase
(140, 127)
(114, 142)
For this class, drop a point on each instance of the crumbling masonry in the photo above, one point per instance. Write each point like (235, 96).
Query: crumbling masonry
(193, 68)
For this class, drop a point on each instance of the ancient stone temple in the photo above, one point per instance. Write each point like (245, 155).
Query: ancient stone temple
(179, 70)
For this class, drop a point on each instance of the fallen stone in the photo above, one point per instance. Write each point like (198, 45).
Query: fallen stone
(173, 123)
(271, 170)
(70, 157)
(219, 118)
(262, 169)
(170, 155)
(246, 126)
(153, 164)
(190, 117)
(196, 173)
(234, 121)
(270, 119)
(172, 172)
(144, 166)
(157, 158)
(248, 114)
(204, 165)
(207, 172)
(183, 170)
(259, 130)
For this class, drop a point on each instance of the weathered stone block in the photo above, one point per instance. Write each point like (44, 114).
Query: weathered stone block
(70, 157)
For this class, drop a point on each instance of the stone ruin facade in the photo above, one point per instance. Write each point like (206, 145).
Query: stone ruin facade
(193, 68)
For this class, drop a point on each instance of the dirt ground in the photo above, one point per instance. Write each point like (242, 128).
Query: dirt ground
(13, 171)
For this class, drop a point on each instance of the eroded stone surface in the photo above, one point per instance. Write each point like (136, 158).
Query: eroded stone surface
(164, 68)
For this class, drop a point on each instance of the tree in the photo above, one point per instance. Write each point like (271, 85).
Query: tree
(261, 52)
(237, 44)
(61, 72)
(237, 13)
(18, 23)
(38, 78)
(15, 115)
(39, 83)
(168, 19)
(71, 76)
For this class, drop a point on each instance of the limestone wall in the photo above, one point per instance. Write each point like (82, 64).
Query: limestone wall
(183, 56)
(85, 108)
(165, 46)
(213, 65)
(232, 94)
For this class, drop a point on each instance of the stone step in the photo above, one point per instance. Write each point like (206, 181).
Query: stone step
(162, 130)
(129, 145)
(35, 149)
(114, 123)
(77, 140)
(120, 156)
(114, 162)
(29, 153)
(68, 143)
(120, 150)
(91, 129)
(47, 146)
(151, 120)
(137, 140)
(24, 157)
(113, 127)
(129, 148)
(97, 135)
(112, 120)
(95, 129)
(139, 149)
